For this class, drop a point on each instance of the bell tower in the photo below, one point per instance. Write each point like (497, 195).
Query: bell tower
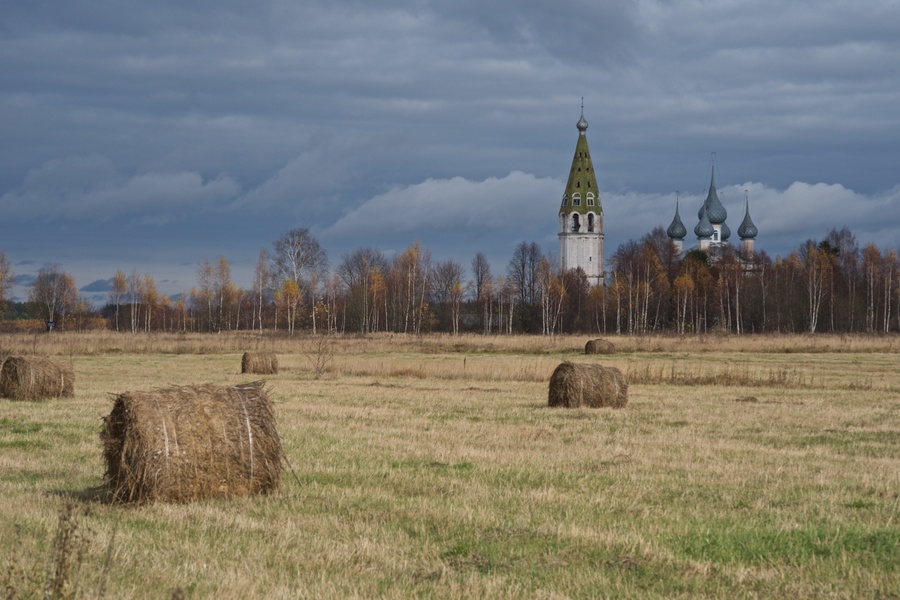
(581, 214)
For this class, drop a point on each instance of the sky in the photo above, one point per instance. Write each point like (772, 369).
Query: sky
(149, 135)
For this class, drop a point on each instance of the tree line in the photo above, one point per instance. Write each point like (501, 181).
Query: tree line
(827, 285)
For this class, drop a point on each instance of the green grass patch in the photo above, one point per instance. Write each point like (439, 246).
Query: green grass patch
(27, 444)
(731, 544)
(17, 426)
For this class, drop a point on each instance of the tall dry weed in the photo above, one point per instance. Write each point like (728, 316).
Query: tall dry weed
(105, 342)
(782, 377)
(58, 576)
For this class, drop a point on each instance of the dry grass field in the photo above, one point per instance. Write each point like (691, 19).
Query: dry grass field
(742, 467)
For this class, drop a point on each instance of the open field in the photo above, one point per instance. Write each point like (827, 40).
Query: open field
(750, 467)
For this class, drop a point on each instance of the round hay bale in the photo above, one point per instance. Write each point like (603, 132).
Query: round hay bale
(180, 444)
(259, 363)
(599, 347)
(592, 386)
(36, 378)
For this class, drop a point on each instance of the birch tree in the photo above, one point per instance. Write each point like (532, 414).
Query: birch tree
(6, 280)
(299, 258)
(117, 292)
(447, 292)
(522, 275)
(206, 275)
(684, 292)
(290, 293)
(410, 287)
(357, 272)
(54, 292)
(262, 278)
(871, 264)
(890, 268)
(481, 283)
(135, 282)
(552, 295)
(817, 267)
(224, 290)
(149, 298)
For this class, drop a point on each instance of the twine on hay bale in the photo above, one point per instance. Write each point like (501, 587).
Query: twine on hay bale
(35, 378)
(599, 347)
(180, 444)
(259, 363)
(576, 385)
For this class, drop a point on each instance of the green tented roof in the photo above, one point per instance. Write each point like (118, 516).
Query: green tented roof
(582, 180)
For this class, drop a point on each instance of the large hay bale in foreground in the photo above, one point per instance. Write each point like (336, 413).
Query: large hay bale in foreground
(35, 378)
(599, 347)
(259, 363)
(180, 444)
(575, 385)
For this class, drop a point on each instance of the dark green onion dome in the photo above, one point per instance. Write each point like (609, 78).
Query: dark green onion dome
(726, 232)
(582, 194)
(715, 211)
(747, 230)
(704, 228)
(676, 230)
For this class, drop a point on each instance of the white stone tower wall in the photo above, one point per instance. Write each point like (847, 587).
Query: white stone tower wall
(747, 247)
(583, 250)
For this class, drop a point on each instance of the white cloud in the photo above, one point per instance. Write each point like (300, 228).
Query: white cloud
(803, 211)
(511, 204)
(304, 183)
(522, 207)
(785, 217)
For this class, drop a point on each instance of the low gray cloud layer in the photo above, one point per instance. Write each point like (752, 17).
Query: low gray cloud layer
(150, 135)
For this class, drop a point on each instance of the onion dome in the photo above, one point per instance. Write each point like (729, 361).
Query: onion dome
(747, 230)
(582, 124)
(704, 228)
(676, 230)
(725, 232)
(715, 211)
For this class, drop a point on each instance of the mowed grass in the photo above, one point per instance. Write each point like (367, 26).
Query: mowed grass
(428, 470)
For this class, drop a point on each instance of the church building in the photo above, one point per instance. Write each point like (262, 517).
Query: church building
(581, 214)
(711, 230)
(581, 218)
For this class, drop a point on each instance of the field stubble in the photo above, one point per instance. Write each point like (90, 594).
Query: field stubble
(436, 470)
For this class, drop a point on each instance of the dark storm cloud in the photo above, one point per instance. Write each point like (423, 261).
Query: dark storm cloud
(575, 32)
(99, 286)
(152, 135)
(90, 188)
(23, 280)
